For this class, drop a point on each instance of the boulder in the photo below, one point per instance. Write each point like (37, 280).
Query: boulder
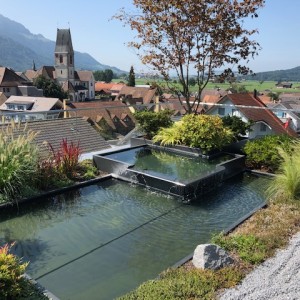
(208, 256)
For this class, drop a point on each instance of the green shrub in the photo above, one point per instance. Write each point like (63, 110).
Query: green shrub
(200, 131)
(11, 271)
(263, 153)
(18, 160)
(169, 136)
(237, 125)
(86, 169)
(286, 185)
(249, 248)
(151, 122)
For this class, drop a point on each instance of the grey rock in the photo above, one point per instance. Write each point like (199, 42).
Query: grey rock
(209, 256)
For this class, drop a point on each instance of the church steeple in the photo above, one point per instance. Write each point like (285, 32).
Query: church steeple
(64, 56)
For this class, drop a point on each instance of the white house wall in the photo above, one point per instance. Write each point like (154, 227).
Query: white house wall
(231, 110)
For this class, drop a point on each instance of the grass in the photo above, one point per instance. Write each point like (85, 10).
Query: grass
(250, 85)
(178, 284)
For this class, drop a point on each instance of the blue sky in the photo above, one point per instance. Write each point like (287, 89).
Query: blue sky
(93, 31)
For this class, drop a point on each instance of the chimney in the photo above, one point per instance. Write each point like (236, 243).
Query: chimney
(255, 93)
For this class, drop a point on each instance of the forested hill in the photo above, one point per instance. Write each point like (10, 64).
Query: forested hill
(279, 75)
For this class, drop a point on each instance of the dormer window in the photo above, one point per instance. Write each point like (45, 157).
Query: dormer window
(10, 106)
(20, 107)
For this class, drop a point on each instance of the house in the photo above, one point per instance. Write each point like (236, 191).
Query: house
(115, 89)
(289, 98)
(250, 107)
(112, 117)
(173, 103)
(288, 113)
(22, 108)
(137, 95)
(75, 130)
(86, 79)
(3, 98)
(103, 89)
(284, 85)
(9, 82)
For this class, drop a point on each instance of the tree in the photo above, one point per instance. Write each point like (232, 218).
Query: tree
(151, 122)
(192, 81)
(107, 75)
(193, 37)
(51, 89)
(237, 125)
(131, 77)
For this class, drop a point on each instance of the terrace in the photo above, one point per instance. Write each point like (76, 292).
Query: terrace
(127, 227)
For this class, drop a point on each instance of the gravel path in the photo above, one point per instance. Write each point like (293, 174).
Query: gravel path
(278, 278)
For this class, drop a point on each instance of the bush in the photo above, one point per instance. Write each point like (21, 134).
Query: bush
(263, 153)
(200, 131)
(11, 271)
(249, 248)
(18, 160)
(151, 122)
(237, 125)
(286, 185)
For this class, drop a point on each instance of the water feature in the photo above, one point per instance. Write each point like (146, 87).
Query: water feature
(101, 241)
(186, 174)
(167, 165)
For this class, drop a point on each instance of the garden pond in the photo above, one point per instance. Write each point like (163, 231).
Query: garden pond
(103, 240)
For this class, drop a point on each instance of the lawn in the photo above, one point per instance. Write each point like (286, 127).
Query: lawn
(250, 85)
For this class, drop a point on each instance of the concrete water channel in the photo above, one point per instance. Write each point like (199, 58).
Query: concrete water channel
(103, 240)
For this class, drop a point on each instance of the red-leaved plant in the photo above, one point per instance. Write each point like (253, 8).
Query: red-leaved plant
(61, 164)
(65, 159)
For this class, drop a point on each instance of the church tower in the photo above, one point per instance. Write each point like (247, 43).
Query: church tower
(64, 56)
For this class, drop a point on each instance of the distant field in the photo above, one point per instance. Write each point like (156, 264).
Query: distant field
(250, 85)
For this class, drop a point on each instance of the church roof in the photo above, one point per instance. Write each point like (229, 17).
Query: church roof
(63, 41)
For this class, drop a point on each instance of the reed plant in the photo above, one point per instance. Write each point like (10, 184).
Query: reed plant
(18, 160)
(286, 185)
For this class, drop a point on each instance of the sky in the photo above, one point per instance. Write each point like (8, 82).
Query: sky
(94, 32)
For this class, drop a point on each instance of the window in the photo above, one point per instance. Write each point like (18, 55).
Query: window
(263, 127)
(61, 60)
(221, 111)
(283, 115)
(10, 106)
(71, 59)
(91, 84)
(233, 112)
(20, 107)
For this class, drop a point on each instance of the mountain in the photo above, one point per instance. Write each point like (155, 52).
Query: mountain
(19, 47)
(279, 75)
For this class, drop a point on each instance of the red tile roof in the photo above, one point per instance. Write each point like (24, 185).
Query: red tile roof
(144, 94)
(107, 110)
(103, 86)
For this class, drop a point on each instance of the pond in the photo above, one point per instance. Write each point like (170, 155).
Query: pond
(103, 240)
(167, 165)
